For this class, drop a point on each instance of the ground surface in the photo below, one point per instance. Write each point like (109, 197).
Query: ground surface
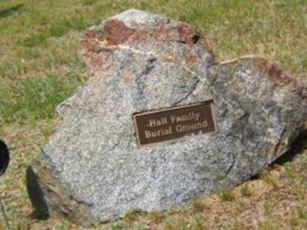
(40, 66)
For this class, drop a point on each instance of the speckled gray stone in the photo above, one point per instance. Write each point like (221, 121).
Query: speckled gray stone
(92, 169)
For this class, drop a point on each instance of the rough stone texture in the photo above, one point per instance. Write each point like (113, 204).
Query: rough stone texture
(92, 169)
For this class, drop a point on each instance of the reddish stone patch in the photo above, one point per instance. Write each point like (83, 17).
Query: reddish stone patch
(274, 72)
(267, 69)
(90, 45)
(191, 57)
(139, 36)
(162, 33)
(89, 41)
(278, 74)
(205, 44)
(116, 32)
(94, 60)
(188, 34)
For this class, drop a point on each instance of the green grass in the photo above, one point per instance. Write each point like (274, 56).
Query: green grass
(34, 39)
(40, 66)
(88, 2)
(246, 190)
(35, 99)
(270, 180)
(225, 194)
(60, 28)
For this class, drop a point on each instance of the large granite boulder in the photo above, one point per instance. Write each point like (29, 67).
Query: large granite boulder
(93, 170)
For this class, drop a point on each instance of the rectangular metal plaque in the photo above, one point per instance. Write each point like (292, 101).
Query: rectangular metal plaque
(175, 122)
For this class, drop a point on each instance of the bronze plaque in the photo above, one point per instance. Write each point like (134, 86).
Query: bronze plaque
(175, 122)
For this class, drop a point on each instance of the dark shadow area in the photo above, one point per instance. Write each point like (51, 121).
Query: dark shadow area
(4, 157)
(297, 147)
(36, 196)
(9, 11)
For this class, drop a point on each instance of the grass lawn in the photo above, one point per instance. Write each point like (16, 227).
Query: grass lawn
(40, 67)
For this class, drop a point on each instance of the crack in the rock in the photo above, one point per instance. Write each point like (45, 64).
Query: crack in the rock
(231, 167)
(82, 202)
(149, 66)
(194, 86)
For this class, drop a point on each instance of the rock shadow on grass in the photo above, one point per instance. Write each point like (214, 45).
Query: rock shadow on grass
(10, 11)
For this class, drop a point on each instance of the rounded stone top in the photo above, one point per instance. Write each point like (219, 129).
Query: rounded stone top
(138, 19)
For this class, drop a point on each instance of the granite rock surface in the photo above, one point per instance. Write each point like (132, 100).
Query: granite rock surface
(92, 169)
